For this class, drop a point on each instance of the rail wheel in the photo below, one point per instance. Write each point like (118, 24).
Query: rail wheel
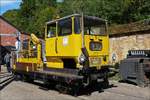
(27, 78)
(62, 88)
(105, 83)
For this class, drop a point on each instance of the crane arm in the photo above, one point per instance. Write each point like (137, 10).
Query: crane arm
(35, 39)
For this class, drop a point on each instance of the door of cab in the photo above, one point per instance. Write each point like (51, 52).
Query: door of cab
(64, 39)
(53, 61)
(51, 40)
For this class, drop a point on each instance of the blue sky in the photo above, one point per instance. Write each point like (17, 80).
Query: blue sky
(6, 5)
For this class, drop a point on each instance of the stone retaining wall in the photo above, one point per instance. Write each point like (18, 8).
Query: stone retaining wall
(119, 46)
(120, 43)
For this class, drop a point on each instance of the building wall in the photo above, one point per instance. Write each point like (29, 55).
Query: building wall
(120, 45)
(132, 36)
(24, 37)
(10, 40)
(8, 29)
(7, 41)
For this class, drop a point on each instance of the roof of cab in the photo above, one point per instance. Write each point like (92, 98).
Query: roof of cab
(85, 16)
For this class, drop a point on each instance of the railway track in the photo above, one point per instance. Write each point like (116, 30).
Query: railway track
(5, 79)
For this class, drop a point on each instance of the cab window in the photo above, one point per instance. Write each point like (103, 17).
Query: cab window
(65, 27)
(77, 25)
(25, 44)
(51, 30)
(94, 27)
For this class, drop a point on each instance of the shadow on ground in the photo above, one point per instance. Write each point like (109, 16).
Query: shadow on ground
(128, 82)
(82, 91)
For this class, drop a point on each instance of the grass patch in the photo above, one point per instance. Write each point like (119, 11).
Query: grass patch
(115, 77)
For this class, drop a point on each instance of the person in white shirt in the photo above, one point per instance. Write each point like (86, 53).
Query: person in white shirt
(18, 46)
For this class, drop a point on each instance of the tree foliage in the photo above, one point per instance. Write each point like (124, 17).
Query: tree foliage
(33, 14)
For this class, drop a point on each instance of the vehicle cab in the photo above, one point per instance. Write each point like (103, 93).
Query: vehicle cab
(76, 41)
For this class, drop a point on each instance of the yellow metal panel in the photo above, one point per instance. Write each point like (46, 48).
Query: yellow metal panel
(66, 45)
(50, 47)
(28, 60)
(69, 46)
(103, 39)
(98, 54)
(55, 64)
(39, 52)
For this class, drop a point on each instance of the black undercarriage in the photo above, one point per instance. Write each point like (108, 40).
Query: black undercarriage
(68, 79)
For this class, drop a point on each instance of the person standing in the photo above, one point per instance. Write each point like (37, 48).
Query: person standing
(7, 59)
(18, 46)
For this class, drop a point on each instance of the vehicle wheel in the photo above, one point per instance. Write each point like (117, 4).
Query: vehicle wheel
(27, 78)
(75, 90)
(17, 77)
(105, 82)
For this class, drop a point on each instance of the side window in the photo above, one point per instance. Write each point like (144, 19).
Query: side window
(65, 27)
(25, 44)
(77, 25)
(51, 30)
(87, 30)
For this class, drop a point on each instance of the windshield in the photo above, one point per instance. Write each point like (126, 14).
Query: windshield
(95, 30)
(92, 26)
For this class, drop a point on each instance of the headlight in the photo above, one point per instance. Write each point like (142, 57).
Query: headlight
(82, 59)
(95, 46)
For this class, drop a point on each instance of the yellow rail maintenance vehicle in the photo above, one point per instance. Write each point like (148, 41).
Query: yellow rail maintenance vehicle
(73, 54)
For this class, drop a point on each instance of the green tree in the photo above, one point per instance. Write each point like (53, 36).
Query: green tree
(135, 10)
(33, 14)
(12, 17)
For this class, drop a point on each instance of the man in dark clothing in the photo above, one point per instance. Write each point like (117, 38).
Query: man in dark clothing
(7, 61)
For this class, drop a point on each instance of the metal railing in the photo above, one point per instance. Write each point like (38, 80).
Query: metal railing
(27, 54)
